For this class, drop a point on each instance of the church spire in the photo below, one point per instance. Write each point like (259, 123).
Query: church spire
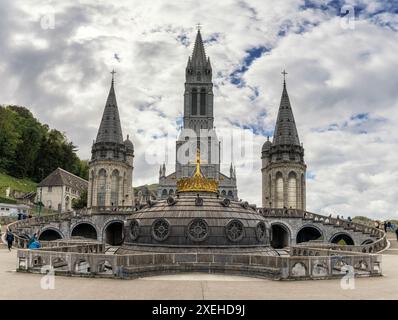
(198, 54)
(285, 129)
(110, 129)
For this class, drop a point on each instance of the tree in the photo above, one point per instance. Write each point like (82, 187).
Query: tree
(81, 202)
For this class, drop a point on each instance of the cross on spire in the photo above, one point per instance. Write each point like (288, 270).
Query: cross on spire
(284, 75)
(198, 26)
(113, 74)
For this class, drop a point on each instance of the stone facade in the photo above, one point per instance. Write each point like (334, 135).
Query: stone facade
(111, 165)
(198, 130)
(283, 167)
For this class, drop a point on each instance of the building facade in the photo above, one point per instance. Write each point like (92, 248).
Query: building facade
(59, 189)
(111, 166)
(198, 131)
(283, 167)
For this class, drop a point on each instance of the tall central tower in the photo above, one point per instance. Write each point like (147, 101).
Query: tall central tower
(198, 96)
(198, 130)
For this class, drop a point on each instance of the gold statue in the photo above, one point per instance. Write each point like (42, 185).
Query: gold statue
(197, 182)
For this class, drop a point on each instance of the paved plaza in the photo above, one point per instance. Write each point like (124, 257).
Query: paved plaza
(196, 286)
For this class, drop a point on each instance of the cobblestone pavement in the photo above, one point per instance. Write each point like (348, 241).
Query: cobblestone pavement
(196, 286)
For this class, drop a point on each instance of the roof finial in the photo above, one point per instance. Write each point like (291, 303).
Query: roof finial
(113, 75)
(198, 26)
(197, 171)
(284, 76)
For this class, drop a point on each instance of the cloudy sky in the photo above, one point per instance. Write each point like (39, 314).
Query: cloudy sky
(55, 59)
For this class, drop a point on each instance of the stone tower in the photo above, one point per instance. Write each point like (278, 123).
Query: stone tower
(283, 167)
(111, 165)
(198, 130)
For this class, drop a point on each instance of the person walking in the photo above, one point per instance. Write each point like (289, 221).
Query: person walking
(10, 240)
(396, 232)
(385, 226)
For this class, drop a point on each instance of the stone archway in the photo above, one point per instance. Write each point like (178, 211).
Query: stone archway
(113, 233)
(50, 235)
(280, 236)
(85, 230)
(308, 233)
(343, 239)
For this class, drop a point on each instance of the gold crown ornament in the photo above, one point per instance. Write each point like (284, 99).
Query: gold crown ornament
(197, 182)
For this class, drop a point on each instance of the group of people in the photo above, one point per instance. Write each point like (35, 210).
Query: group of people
(33, 242)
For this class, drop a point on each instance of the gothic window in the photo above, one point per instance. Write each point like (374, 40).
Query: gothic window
(101, 188)
(203, 102)
(292, 190)
(234, 230)
(230, 194)
(223, 193)
(279, 190)
(198, 230)
(115, 188)
(194, 102)
(160, 229)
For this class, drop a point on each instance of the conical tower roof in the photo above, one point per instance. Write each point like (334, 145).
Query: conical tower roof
(110, 129)
(199, 55)
(285, 129)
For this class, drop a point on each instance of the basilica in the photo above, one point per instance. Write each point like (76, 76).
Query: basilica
(196, 222)
(283, 166)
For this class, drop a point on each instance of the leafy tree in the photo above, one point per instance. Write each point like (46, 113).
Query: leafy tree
(81, 202)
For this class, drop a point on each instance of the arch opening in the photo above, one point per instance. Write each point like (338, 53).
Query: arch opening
(50, 235)
(342, 239)
(308, 234)
(280, 237)
(113, 234)
(84, 230)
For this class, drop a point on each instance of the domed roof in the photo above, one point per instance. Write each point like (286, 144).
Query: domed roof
(267, 145)
(197, 220)
(129, 145)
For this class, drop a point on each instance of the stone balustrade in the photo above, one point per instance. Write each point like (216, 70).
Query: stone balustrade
(304, 263)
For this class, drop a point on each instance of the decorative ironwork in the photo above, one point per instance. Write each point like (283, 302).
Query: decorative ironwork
(197, 182)
(261, 231)
(245, 204)
(226, 202)
(171, 201)
(160, 229)
(198, 201)
(134, 229)
(198, 230)
(234, 230)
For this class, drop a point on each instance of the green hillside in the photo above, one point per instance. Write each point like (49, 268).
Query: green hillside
(24, 185)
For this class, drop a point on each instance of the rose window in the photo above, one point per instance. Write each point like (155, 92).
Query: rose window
(198, 230)
(160, 229)
(234, 230)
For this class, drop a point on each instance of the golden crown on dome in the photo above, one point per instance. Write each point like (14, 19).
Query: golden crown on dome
(197, 182)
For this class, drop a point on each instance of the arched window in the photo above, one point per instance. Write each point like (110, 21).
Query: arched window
(171, 192)
(203, 102)
(194, 102)
(223, 193)
(115, 188)
(101, 188)
(230, 194)
(164, 192)
(279, 190)
(292, 190)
